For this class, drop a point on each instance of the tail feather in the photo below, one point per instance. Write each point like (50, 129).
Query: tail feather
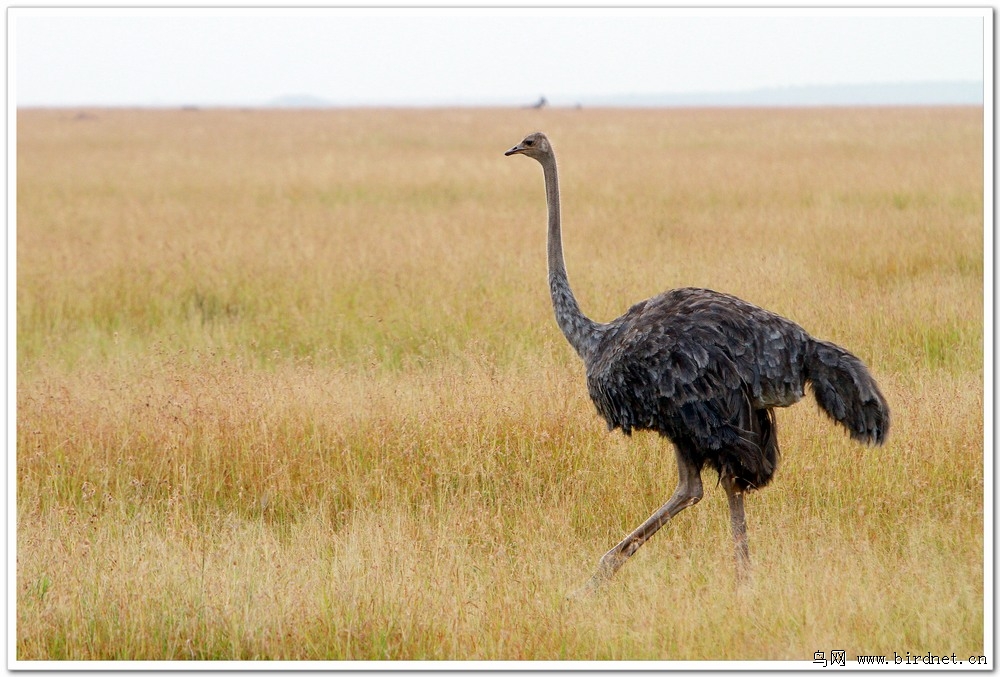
(847, 392)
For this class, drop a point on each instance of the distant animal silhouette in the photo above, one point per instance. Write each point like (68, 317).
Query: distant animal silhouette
(704, 370)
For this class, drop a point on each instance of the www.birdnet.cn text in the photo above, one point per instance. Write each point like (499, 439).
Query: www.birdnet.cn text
(838, 657)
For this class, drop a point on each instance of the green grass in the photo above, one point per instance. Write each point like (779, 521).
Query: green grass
(289, 386)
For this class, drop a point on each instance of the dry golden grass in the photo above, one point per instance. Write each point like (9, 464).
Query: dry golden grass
(289, 386)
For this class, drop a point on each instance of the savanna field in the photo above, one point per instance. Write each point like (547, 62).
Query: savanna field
(289, 385)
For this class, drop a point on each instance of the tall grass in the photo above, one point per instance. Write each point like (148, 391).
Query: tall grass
(289, 386)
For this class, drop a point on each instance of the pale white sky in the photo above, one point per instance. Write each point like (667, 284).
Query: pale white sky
(72, 57)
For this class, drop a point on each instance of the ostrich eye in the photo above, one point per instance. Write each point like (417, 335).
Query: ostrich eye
(529, 142)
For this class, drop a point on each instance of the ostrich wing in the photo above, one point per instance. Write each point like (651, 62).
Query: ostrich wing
(697, 362)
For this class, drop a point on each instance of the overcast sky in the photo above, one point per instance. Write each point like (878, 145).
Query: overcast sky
(73, 57)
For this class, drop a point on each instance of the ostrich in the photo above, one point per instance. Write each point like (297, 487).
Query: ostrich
(705, 370)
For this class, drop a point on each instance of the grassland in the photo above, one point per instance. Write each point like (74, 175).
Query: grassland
(289, 387)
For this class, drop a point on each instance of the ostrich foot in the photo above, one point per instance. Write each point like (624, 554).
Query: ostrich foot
(605, 570)
(587, 589)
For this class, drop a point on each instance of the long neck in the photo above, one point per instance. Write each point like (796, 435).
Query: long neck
(581, 332)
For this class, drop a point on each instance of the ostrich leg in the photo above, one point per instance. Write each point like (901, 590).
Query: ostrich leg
(737, 519)
(687, 493)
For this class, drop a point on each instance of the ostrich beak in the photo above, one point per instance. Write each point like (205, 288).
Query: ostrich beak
(515, 149)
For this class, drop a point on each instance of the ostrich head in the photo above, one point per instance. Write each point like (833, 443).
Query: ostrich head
(534, 145)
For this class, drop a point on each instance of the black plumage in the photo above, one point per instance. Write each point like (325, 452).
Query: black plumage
(705, 370)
